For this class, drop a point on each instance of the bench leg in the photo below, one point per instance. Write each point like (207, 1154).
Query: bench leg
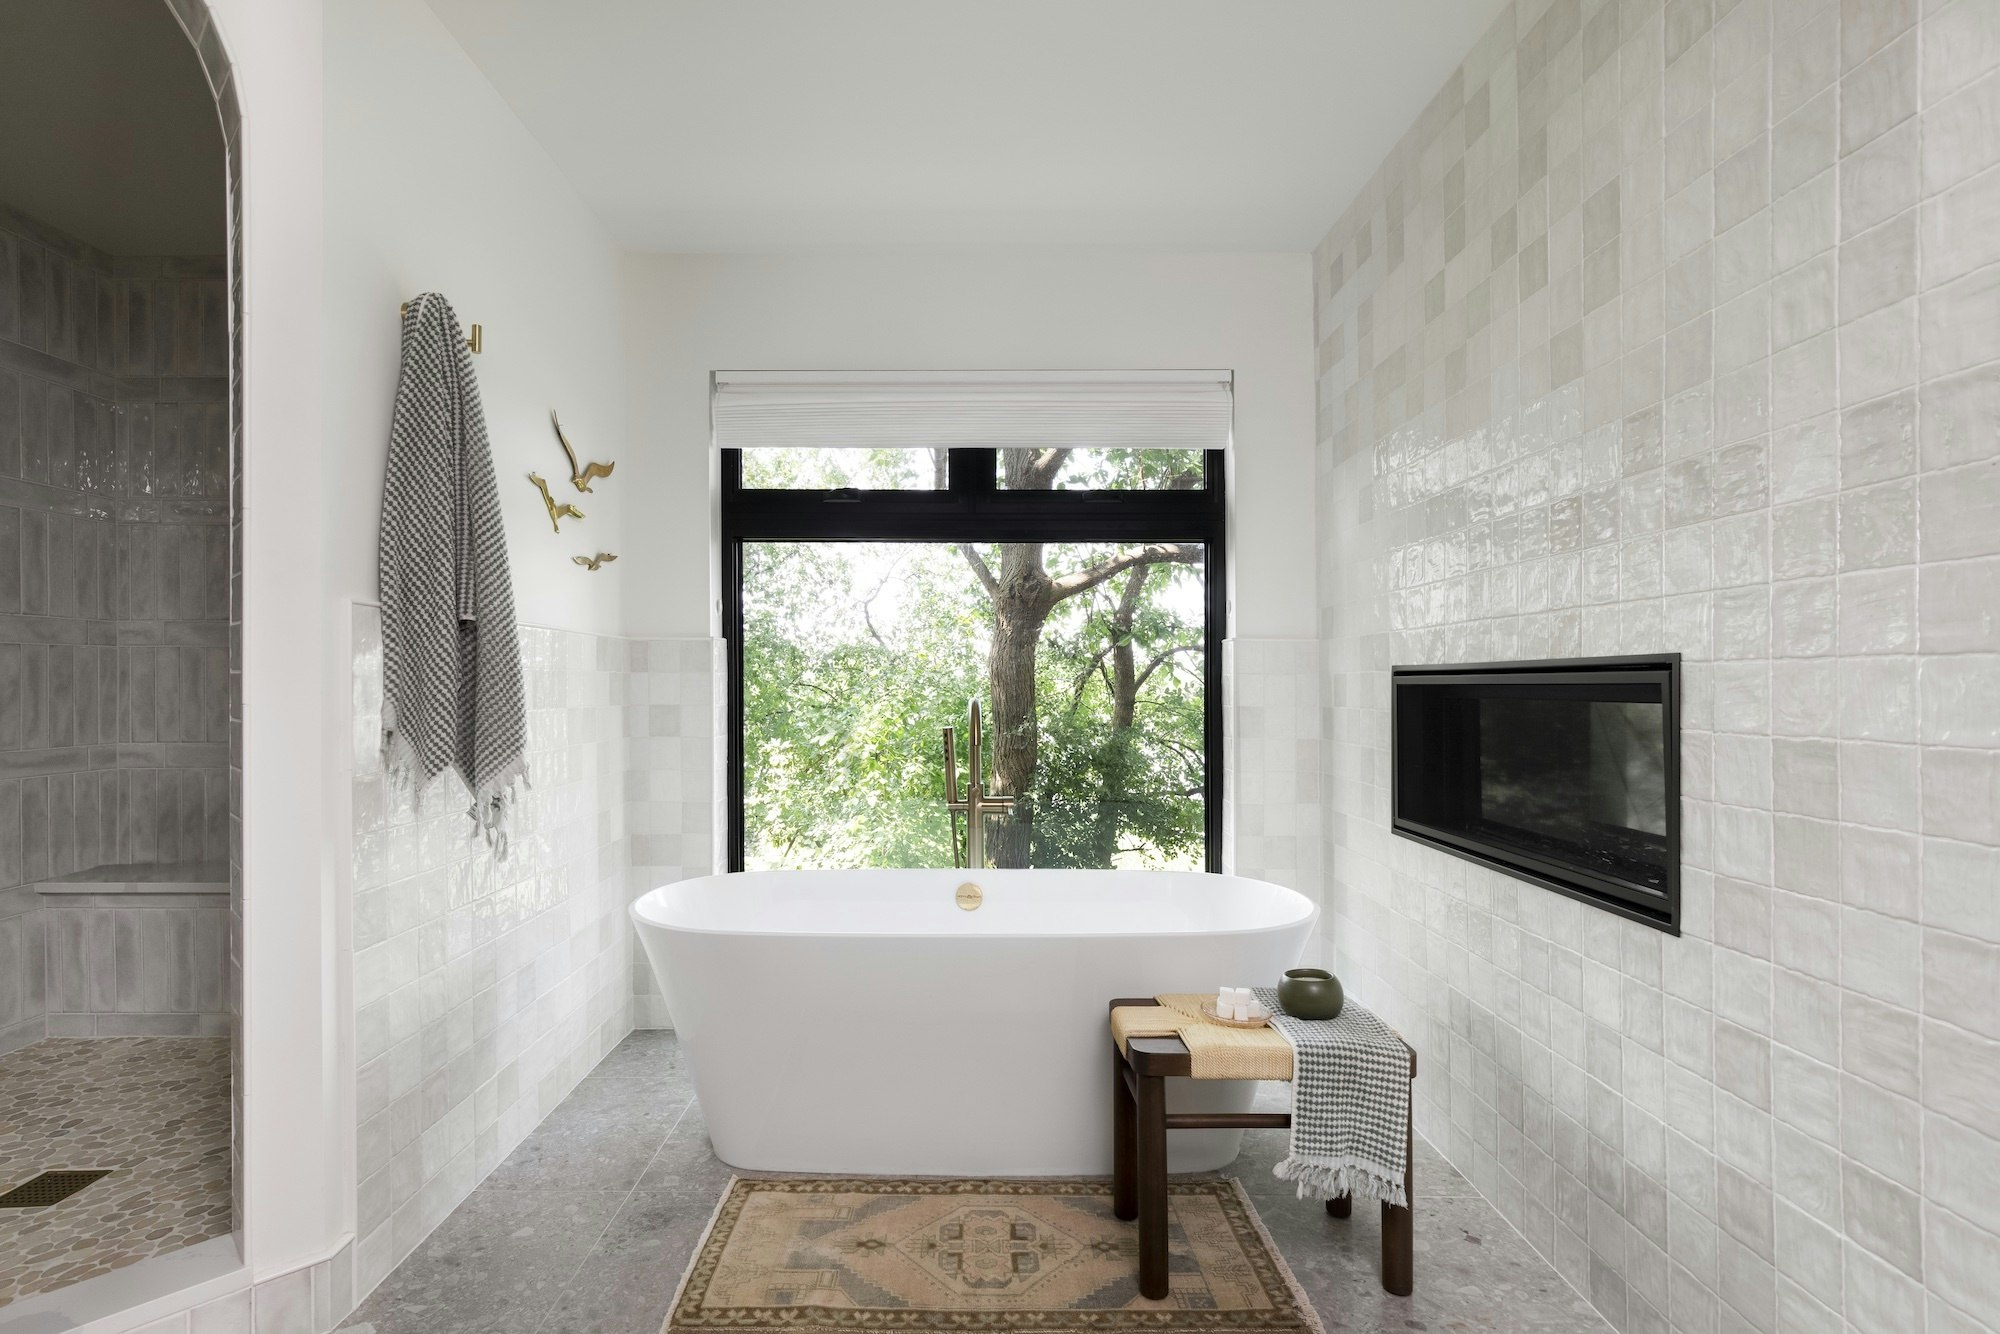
(1399, 1228)
(1340, 1206)
(1397, 1246)
(1124, 1142)
(1152, 1173)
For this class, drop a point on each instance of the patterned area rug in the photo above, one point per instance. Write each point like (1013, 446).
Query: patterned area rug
(805, 1255)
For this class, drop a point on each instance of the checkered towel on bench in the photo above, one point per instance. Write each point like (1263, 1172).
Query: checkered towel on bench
(1350, 1104)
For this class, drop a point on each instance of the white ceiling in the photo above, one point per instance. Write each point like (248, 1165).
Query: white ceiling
(705, 125)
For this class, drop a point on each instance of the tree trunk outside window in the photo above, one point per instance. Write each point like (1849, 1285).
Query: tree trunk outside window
(1023, 594)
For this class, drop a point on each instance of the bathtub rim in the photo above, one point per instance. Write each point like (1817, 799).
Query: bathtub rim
(640, 918)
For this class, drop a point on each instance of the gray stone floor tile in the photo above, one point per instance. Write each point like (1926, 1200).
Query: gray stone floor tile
(650, 1054)
(607, 1260)
(685, 1165)
(600, 1138)
(1436, 1177)
(496, 1266)
(629, 1280)
(1472, 1271)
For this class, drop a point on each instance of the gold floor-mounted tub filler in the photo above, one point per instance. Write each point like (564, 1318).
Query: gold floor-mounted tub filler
(974, 801)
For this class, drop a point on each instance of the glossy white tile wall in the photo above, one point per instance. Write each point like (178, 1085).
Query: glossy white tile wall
(1674, 327)
(674, 706)
(1272, 805)
(484, 989)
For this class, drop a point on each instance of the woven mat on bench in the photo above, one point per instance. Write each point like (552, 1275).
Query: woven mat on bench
(1215, 1051)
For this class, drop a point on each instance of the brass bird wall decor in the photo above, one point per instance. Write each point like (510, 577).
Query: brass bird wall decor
(578, 477)
(558, 509)
(601, 559)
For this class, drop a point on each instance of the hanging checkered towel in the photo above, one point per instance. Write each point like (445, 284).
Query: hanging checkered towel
(1350, 1104)
(451, 658)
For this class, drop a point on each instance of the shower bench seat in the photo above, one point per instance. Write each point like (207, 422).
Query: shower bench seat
(1140, 1122)
(140, 884)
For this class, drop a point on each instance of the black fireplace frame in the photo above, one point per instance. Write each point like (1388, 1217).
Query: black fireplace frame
(1662, 912)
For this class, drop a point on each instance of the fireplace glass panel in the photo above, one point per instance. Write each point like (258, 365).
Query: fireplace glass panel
(1580, 779)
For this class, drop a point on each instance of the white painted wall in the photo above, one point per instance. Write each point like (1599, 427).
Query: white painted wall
(432, 184)
(687, 315)
(294, 1196)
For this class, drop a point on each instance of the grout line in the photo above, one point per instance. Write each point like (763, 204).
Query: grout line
(616, 1214)
(1926, 1240)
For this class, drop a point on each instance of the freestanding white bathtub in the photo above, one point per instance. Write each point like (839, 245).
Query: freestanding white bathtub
(861, 1022)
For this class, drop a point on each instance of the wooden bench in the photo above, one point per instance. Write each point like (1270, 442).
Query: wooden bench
(1139, 1125)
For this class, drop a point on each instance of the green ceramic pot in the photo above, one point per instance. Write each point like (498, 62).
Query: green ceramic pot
(1311, 993)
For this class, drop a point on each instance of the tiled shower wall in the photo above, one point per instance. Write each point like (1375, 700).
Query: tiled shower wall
(485, 988)
(152, 965)
(114, 493)
(1674, 328)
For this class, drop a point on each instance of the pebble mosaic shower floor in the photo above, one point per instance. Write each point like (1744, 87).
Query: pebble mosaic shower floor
(155, 1111)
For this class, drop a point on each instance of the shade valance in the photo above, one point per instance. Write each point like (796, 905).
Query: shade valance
(972, 409)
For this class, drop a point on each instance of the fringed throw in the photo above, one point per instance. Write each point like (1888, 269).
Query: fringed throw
(1350, 1104)
(451, 657)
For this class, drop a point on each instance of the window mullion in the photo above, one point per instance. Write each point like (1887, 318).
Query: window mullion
(973, 471)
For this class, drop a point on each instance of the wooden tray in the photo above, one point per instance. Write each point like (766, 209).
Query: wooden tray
(1208, 1013)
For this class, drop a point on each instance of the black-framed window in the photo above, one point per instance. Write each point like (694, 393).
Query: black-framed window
(1140, 646)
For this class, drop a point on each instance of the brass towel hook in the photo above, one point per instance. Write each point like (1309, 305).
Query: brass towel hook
(476, 340)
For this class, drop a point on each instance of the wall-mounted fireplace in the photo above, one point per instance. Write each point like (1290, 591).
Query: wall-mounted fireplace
(1565, 774)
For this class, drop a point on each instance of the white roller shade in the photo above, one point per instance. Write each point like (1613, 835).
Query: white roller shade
(972, 409)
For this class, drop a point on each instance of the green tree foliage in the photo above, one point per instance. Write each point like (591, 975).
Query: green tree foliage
(856, 656)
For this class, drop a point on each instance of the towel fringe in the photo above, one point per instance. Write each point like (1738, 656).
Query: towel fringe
(400, 758)
(492, 809)
(1326, 1179)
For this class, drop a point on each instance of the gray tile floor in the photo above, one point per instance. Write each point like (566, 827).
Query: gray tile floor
(586, 1228)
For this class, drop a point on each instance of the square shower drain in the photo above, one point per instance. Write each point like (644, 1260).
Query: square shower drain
(47, 1189)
